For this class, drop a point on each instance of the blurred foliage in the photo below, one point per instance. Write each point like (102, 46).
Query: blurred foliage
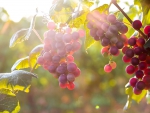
(95, 92)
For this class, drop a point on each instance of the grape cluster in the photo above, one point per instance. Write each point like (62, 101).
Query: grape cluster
(110, 32)
(138, 60)
(57, 55)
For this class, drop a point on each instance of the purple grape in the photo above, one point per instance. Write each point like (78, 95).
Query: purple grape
(114, 40)
(119, 44)
(100, 33)
(139, 74)
(133, 81)
(129, 53)
(111, 18)
(113, 29)
(113, 50)
(137, 24)
(61, 69)
(56, 59)
(137, 91)
(71, 67)
(70, 77)
(137, 50)
(93, 32)
(89, 25)
(105, 42)
(75, 36)
(105, 26)
(134, 61)
(123, 29)
(132, 41)
(76, 46)
(60, 45)
(140, 85)
(67, 38)
(63, 78)
(142, 65)
(142, 56)
(52, 68)
(69, 47)
(58, 36)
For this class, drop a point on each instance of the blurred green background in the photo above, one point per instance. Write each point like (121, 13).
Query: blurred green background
(95, 92)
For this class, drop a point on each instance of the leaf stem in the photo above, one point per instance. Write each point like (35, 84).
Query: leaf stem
(38, 35)
(33, 68)
(128, 18)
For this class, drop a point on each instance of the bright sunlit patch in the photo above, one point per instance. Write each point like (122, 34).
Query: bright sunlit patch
(24, 8)
(97, 107)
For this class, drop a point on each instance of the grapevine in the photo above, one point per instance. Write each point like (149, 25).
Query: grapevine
(68, 24)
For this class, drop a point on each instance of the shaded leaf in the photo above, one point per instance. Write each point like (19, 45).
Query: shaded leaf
(147, 44)
(16, 80)
(21, 63)
(8, 102)
(34, 55)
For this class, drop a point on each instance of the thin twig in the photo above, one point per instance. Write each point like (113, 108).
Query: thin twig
(128, 18)
(38, 35)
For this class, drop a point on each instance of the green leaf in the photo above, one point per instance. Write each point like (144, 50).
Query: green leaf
(132, 96)
(145, 9)
(103, 8)
(36, 51)
(16, 80)
(18, 37)
(8, 102)
(89, 41)
(21, 63)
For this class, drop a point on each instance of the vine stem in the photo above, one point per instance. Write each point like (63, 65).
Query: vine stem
(128, 18)
(38, 35)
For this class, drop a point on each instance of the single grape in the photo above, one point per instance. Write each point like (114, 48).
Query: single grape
(133, 81)
(134, 61)
(97, 38)
(148, 59)
(105, 42)
(130, 69)
(137, 50)
(113, 29)
(123, 29)
(93, 32)
(105, 26)
(47, 48)
(70, 86)
(40, 60)
(62, 85)
(113, 64)
(137, 91)
(51, 34)
(113, 50)
(71, 67)
(52, 68)
(69, 47)
(142, 56)
(114, 40)
(56, 58)
(61, 69)
(63, 78)
(76, 46)
(147, 72)
(58, 36)
(104, 50)
(140, 85)
(132, 41)
(111, 18)
(100, 33)
(147, 29)
(129, 53)
(137, 24)
(60, 45)
(70, 77)
(146, 79)
(119, 44)
(126, 59)
(51, 25)
(109, 34)
(76, 72)
(81, 33)
(139, 74)
(70, 59)
(142, 65)
(67, 38)
(107, 68)
(75, 36)
(140, 41)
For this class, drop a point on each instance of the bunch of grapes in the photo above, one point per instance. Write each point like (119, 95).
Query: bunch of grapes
(110, 32)
(139, 60)
(57, 55)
